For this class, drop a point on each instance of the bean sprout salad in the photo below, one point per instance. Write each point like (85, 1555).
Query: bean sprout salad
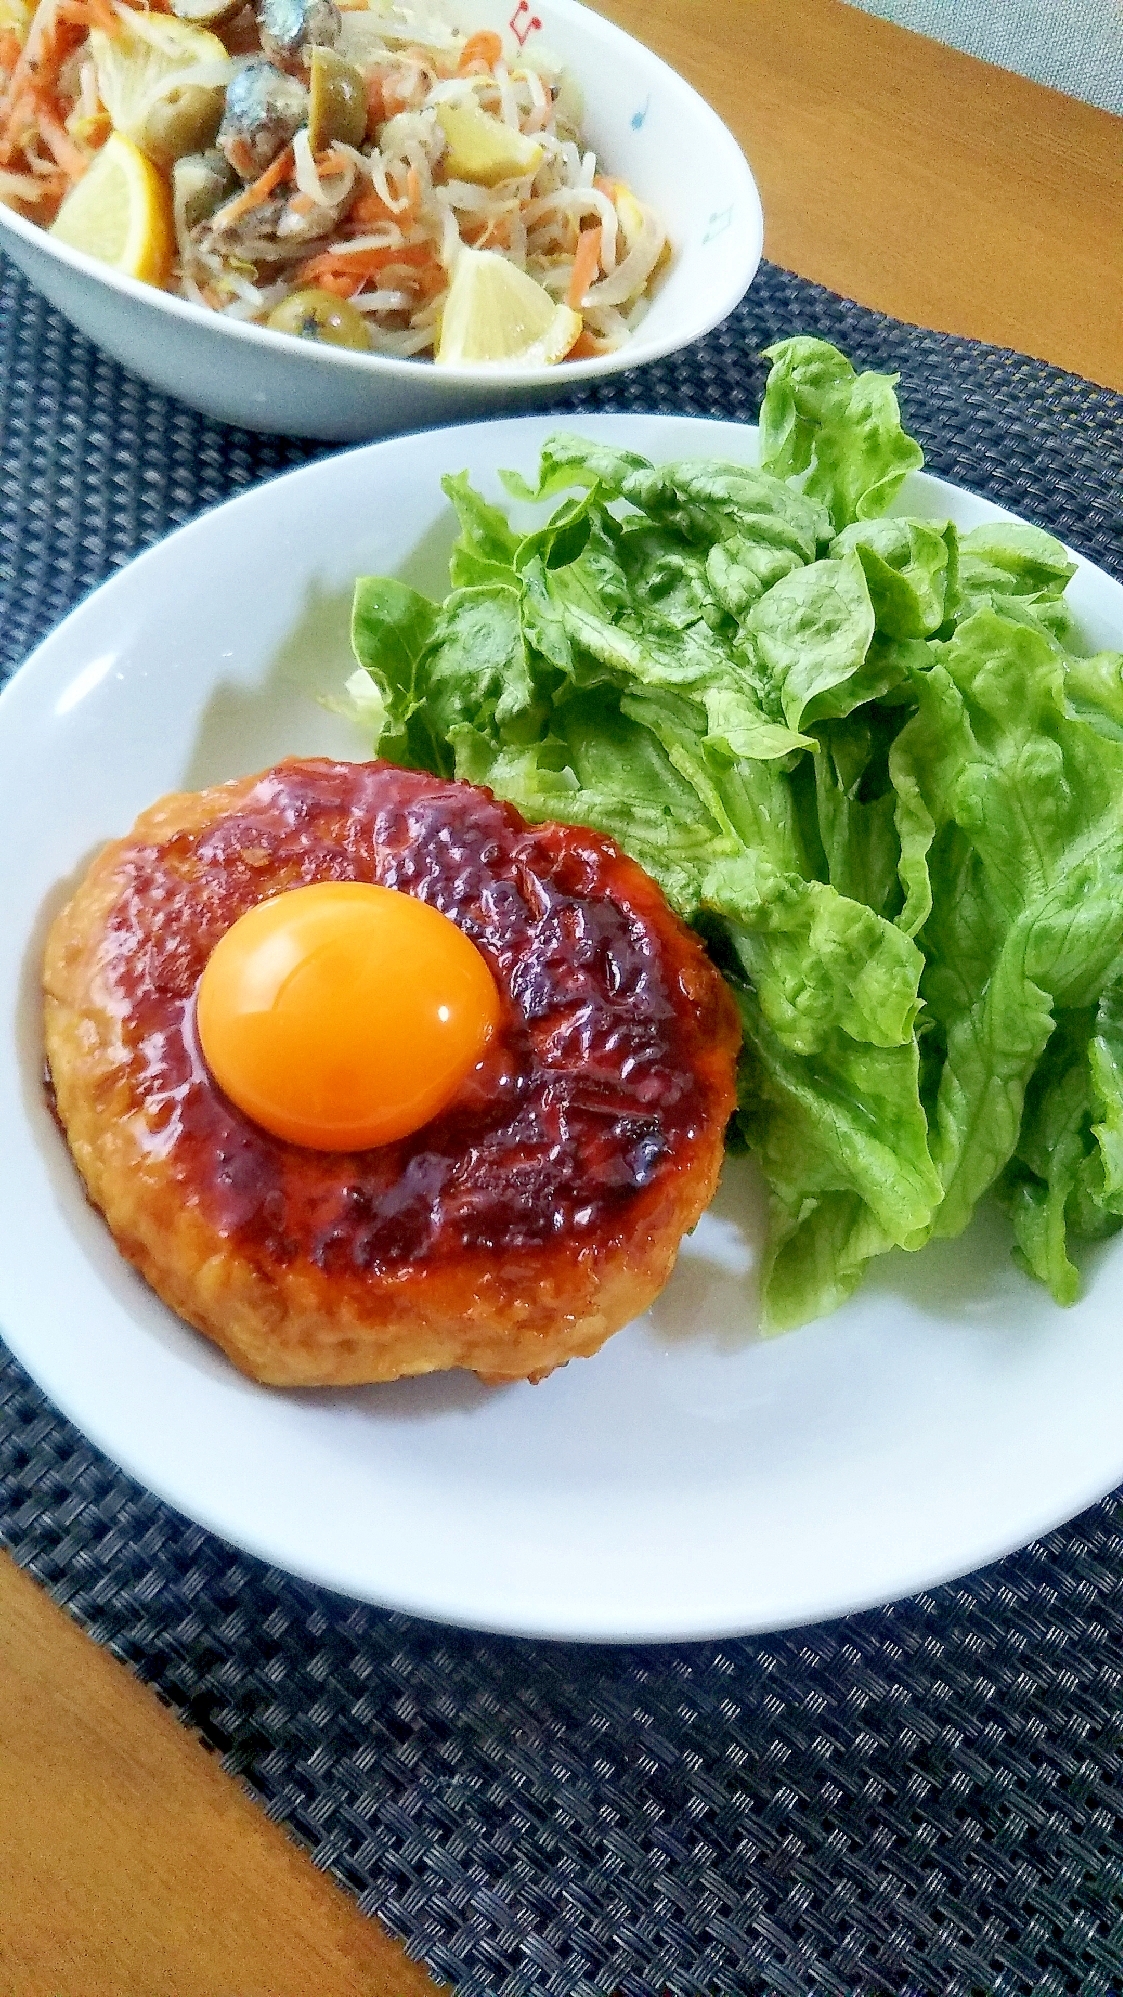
(367, 174)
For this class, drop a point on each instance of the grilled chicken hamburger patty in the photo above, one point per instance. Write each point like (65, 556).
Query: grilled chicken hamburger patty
(528, 1221)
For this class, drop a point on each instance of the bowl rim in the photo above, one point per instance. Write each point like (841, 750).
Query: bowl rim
(737, 272)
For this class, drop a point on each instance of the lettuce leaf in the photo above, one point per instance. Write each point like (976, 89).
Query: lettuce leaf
(1025, 803)
(811, 632)
(911, 569)
(486, 547)
(867, 757)
(835, 433)
(1064, 1178)
(1105, 1060)
(1019, 571)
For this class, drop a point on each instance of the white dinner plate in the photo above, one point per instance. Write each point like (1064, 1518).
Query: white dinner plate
(691, 1480)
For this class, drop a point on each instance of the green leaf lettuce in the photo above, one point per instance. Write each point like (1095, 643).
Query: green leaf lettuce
(866, 755)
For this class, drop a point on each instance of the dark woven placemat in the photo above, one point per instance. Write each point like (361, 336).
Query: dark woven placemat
(925, 1799)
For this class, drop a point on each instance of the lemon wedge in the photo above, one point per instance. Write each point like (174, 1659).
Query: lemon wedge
(120, 212)
(162, 82)
(495, 312)
(482, 148)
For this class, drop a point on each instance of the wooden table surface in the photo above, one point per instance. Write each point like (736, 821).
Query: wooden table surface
(913, 179)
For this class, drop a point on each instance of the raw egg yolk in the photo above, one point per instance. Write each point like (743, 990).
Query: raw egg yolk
(344, 1015)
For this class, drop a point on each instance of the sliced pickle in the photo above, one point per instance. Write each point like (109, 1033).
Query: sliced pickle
(337, 101)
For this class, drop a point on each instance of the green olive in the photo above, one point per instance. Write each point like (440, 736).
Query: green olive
(207, 13)
(337, 101)
(201, 182)
(184, 120)
(318, 315)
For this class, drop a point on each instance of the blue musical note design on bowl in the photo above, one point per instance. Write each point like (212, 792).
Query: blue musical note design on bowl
(719, 222)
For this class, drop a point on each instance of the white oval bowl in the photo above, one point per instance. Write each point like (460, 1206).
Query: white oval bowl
(647, 126)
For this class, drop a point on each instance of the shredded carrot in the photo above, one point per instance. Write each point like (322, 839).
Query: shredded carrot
(394, 100)
(38, 34)
(585, 266)
(487, 235)
(484, 47)
(365, 263)
(376, 105)
(90, 132)
(17, 128)
(10, 46)
(341, 284)
(346, 275)
(48, 43)
(70, 157)
(326, 269)
(369, 209)
(35, 61)
(413, 191)
(584, 347)
(432, 279)
(330, 164)
(89, 14)
(259, 190)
